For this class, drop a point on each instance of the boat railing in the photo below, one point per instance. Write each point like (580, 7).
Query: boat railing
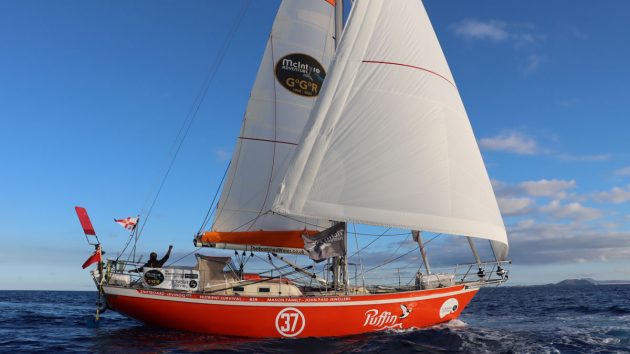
(471, 274)
(120, 273)
(390, 279)
(406, 278)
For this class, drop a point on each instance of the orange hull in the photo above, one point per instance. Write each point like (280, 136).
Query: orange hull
(294, 317)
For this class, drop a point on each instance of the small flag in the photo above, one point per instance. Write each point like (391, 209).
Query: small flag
(326, 244)
(94, 258)
(128, 223)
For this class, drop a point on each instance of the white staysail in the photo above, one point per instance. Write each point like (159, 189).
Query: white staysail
(389, 141)
(296, 59)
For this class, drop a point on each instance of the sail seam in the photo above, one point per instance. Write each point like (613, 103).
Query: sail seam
(268, 140)
(409, 66)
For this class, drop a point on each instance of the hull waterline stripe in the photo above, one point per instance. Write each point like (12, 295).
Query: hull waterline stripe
(268, 140)
(409, 66)
(247, 302)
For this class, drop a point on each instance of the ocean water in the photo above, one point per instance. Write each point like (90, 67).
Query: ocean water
(499, 320)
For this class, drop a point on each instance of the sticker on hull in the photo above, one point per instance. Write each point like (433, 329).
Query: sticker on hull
(290, 322)
(448, 307)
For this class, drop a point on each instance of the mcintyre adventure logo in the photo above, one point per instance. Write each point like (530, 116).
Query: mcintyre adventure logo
(300, 74)
(153, 277)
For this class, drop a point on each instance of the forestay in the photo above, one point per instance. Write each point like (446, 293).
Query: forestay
(389, 141)
(295, 62)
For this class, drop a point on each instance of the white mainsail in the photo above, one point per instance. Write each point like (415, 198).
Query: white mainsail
(389, 141)
(296, 59)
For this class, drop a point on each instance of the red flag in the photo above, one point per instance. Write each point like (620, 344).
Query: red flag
(128, 223)
(94, 258)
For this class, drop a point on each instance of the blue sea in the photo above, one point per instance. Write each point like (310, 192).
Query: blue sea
(499, 320)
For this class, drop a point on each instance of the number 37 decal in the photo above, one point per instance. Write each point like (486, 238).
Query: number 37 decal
(290, 322)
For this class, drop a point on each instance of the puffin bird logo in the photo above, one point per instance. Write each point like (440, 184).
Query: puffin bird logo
(405, 311)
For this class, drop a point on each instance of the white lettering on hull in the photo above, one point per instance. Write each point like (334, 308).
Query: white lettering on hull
(379, 320)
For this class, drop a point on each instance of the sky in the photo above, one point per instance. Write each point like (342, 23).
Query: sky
(93, 94)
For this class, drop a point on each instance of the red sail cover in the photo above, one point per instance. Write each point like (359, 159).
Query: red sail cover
(86, 224)
(282, 238)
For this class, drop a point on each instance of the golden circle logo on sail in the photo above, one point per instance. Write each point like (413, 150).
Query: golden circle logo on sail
(300, 74)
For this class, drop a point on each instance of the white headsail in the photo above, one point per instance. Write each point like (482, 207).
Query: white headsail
(389, 141)
(296, 59)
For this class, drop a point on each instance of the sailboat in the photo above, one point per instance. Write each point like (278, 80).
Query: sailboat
(361, 126)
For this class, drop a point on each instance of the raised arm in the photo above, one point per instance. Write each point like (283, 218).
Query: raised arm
(165, 258)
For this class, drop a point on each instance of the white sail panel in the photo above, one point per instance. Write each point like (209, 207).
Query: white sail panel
(389, 141)
(296, 59)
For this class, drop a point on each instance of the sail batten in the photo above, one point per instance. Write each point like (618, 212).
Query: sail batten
(389, 141)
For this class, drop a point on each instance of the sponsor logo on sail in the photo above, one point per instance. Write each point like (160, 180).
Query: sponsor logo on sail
(300, 74)
(290, 322)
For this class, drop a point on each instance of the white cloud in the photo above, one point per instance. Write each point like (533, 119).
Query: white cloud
(616, 195)
(571, 211)
(222, 155)
(533, 63)
(521, 144)
(550, 188)
(510, 142)
(475, 29)
(522, 37)
(519, 34)
(541, 243)
(623, 171)
(584, 158)
(515, 206)
(555, 188)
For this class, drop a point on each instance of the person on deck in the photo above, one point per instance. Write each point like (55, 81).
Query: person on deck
(153, 261)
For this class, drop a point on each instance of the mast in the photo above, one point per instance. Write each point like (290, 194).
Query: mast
(344, 259)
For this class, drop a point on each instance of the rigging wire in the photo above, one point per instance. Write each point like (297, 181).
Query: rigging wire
(366, 246)
(185, 128)
(131, 237)
(251, 221)
(356, 240)
(184, 256)
(198, 248)
(392, 260)
(401, 256)
(216, 193)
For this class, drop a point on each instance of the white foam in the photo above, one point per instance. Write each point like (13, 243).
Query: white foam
(456, 323)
